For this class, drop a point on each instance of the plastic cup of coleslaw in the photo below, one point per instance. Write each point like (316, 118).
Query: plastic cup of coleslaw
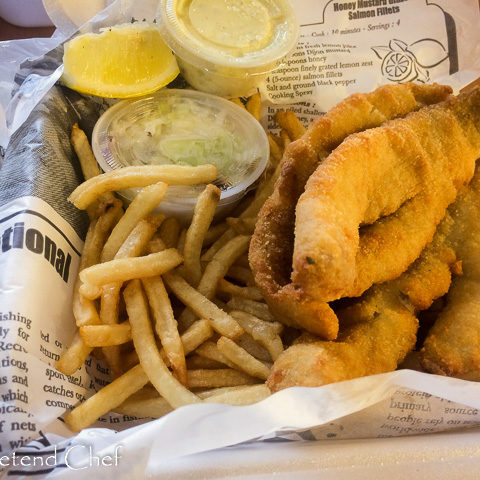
(228, 47)
(184, 127)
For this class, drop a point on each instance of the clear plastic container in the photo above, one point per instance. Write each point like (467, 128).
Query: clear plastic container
(25, 13)
(228, 47)
(184, 127)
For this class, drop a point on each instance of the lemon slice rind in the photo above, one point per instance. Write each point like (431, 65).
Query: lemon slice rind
(122, 62)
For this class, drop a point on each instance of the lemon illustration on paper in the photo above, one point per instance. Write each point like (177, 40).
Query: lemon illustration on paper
(408, 63)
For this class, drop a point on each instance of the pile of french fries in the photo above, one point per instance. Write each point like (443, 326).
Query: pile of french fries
(174, 312)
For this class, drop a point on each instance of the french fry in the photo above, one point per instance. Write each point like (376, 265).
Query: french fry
(156, 244)
(136, 242)
(109, 316)
(265, 333)
(181, 241)
(84, 310)
(148, 391)
(254, 106)
(154, 407)
(256, 309)
(275, 150)
(169, 232)
(251, 293)
(277, 139)
(238, 102)
(289, 121)
(202, 218)
(270, 170)
(134, 245)
(111, 213)
(80, 144)
(166, 325)
(146, 200)
(241, 274)
(215, 270)
(224, 377)
(106, 399)
(88, 163)
(210, 350)
(90, 292)
(285, 137)
(154, 367)
(135, 254)
(244, 203)
(196, 362)
(242, 226)
(254, 348)
(201, 306)
(140, 176)
(221, 263)
(74, 357)
(262, 193)
(217, 245)
(253, 322)
(194, 336)
(123, 269)
(105, 335)
(220, 304)
(242, 359)
(214, 233)
(240, 395)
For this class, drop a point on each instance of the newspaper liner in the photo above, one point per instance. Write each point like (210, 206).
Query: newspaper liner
(41, 240)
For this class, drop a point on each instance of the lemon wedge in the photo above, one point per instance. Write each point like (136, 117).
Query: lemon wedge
(120, 62)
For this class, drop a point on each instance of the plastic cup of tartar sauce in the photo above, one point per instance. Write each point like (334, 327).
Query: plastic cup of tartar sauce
(184, 127)
(228, 47)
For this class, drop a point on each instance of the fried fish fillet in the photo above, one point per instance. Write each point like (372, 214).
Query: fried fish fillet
(378, 330)
(452, 346)
(398, 180)
(271, 247)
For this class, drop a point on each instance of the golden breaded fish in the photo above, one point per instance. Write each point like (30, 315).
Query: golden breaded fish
(378, 330)
(452, 346)
(272, 244)
(372, 205)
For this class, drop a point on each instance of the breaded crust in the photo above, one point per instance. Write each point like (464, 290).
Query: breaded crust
(452, 346)
(378, 330)
(398, 180)
(271, 249)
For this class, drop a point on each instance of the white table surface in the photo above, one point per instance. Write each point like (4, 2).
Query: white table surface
(436, 456)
